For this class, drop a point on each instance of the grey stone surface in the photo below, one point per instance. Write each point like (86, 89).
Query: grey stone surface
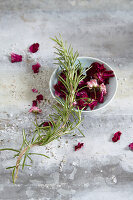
(98, 28)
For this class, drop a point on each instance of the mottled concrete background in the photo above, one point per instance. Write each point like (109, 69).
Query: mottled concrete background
(98, 28)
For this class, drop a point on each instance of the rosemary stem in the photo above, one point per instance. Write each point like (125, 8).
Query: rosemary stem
(19, 158)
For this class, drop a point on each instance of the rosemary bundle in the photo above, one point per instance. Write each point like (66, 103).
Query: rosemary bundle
(65, 119)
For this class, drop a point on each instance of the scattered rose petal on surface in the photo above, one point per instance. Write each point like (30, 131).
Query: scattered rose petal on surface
(47, 124)
(34, 48)
(116, 136)
(34, 90)
(35, 109)
(131, 146)
(36, 67)
(15, 58)
(34, 103)
(77, 147)
(39, 98)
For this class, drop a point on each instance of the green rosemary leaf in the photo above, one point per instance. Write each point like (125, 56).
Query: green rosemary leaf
(81, 88)
(25, 156)
(81, 132)
(20, 165)
(16, 155)
(24, 137)
(13, 172)
(10, 149)
(39, 154)
(64, 82)
(34, 135)
(10, 167)
(29, 159)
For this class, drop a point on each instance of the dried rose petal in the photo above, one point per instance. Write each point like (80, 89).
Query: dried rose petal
(39, 97)
(34, 103)
(99, 72)
(57, 90)
(35, 109)
(99, 77)
(98, 66)
(77, 147)
(58, 94)
(60, 90)
(116, 136)
(34, 90)
(34, 48)
(47, 124)
(95, 68)
(15, 58)
(131, 146)
(36, 67)
(92, 104)
(74, 103)
(92, 83)
(103, 89)
(103, 77)
(101, 98)
(81, 103)
(82, 94)
(63, 75)
(82, 84)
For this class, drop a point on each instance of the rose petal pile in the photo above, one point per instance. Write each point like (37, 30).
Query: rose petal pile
(91, 90)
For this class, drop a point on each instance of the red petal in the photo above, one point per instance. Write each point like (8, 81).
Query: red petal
(92, 104)
(131, 146)
(82, 94)
(116, 136)
(34, 48)
(34, 90)
(82, 84)
(47, 124)
(36, 67)
(34, 103)
(101, 98)
(77, 147)
(39, 97)
(95, 67)
(63, 75)
(98, 66)
(16, 58)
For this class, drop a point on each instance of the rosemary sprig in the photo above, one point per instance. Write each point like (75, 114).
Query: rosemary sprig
(65, 119)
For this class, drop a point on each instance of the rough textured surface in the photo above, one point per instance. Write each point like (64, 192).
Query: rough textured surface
(103, 29)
